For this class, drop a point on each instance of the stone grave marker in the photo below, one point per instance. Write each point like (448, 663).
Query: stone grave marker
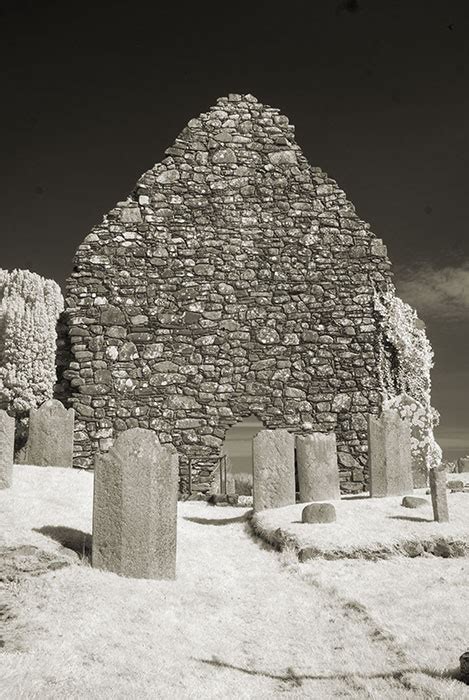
(135, 507)
(318, 513)
(421, 435)
(389, 455)
(273, 455)
(413, 502)
(439, 494)
(318, 471)
(50, 437)
(7, 441)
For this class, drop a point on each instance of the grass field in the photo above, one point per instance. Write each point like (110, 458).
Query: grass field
(371, 526)
(240, 621)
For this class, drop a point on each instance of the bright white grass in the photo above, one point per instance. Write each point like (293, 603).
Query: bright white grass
(234, 624)
(369, 524)
(422, 602)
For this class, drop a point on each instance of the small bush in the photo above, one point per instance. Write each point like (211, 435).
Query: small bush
(243, 484)
(29, 308)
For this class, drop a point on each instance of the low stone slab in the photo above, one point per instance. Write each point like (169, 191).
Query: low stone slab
(414, 502)
(318, 471)
(273, 453)
(7, 442)
(455, 485)
(318, 513)
(50, 438)
(18, 563)
(135, 507)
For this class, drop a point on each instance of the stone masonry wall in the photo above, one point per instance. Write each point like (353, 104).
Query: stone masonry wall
(234, 280)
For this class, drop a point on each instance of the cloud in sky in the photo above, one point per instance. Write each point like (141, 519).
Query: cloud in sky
(436, 293)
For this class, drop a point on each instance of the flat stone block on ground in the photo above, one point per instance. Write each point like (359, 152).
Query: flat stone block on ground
(413, 502)
(318, 513)
(455, 485)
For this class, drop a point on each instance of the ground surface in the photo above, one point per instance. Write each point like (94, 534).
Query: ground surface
(365, 525)
(240, 621)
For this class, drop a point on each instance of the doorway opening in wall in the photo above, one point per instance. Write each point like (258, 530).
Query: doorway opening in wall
(238, 450)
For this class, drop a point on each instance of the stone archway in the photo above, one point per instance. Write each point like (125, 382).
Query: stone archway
(237, 447)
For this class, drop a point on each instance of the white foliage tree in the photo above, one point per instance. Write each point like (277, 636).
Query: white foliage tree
(29, 308)
(405, 367)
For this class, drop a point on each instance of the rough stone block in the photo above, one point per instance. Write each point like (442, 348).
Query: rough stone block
(135, 507)
(413, 502)
(464, 666)
(50, 438)
(439, 495)
(7, 441)
(273, 454)
(389, 456)
(455, 485)
(318, 471)
(318, 513)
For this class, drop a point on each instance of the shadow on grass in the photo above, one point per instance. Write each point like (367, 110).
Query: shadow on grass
(219, 521)
(290, 676)
(412, 519)
(359, 497)
(76, 540)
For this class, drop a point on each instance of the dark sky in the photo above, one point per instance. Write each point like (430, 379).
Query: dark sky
(94, 92)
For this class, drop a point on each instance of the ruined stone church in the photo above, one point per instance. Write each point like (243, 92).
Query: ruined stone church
(235, 280)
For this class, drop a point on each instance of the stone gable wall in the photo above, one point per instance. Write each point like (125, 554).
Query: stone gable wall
(234, 280)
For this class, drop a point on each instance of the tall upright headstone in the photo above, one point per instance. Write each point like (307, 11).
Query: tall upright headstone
(273, 455)
(7, 442)
(50, 438)
(318, 471)
(135, 507)
(421, 435)
(389, 454)
(439, 494)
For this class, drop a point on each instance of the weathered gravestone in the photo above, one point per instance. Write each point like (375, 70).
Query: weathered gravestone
(50, 437)
(421, 435)
(7, 441)
(135, 507)
(439, 495)
(389, 455)
(273, 455)
(318, 471)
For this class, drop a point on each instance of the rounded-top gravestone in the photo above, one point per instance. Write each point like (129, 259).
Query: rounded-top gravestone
(135, 507)
(318, 513)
